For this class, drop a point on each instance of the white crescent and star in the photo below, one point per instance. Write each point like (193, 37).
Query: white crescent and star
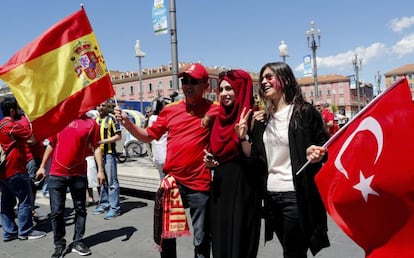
(368, 124)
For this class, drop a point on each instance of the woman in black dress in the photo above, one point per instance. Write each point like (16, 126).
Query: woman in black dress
(235, 200)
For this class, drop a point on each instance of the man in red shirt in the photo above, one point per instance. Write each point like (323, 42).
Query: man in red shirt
(188, 123)
(68, 169)
(328, 117)
(34, 154)
(15, 181)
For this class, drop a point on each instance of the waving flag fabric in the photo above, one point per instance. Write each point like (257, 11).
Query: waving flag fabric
(367, 184)
(59, 76)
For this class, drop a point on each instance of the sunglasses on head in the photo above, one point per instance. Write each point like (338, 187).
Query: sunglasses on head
(232, 74)
(190, 81)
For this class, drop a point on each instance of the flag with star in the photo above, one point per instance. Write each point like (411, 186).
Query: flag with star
(367, 184)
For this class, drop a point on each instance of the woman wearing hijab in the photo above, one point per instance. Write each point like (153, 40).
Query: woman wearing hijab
(235, 201)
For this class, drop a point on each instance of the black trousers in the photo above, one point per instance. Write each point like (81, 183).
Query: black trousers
(283, 216)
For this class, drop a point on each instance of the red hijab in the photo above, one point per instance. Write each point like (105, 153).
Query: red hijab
(224, 141)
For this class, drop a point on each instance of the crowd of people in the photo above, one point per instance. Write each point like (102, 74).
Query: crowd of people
(232, 162)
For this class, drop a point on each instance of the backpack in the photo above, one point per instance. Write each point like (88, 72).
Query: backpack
(3, 154)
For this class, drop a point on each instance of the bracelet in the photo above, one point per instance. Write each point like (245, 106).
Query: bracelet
(243, 140)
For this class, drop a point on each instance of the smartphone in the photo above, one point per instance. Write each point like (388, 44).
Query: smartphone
(209, 156)
(38, 182)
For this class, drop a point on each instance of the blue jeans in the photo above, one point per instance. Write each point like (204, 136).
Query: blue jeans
(57, 196)
(31, 169)
(110, 190)
(17, 186)
(198, 204)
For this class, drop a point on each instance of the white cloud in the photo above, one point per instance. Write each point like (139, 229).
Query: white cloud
(404, 47)
(343, 61)
(399, 24)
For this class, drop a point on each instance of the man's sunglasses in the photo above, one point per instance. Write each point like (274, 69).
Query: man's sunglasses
(190, 81)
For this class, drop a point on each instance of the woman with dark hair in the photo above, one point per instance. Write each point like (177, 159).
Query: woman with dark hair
(292, 135)
(235, 201)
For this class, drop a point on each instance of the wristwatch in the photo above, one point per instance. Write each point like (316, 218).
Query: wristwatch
(246, 138)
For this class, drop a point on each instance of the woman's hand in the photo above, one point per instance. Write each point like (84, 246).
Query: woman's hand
(315, 153)
(209, 160)
(241, 127)
(259, 115)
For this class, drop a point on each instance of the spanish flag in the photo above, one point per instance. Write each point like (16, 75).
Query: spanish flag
(59, 76)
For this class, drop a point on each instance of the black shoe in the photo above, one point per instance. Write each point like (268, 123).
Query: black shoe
(10, 238)
(81, 249)
(58, 252)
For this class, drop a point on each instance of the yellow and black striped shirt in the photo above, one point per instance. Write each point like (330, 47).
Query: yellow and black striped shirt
(108, 127)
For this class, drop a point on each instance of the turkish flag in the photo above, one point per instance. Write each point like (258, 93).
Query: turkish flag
(367, 184)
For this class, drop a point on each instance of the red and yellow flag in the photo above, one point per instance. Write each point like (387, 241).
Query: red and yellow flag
(59, 76)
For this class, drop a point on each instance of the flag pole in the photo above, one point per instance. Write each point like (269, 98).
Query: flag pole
(116, 102)
(356, 116)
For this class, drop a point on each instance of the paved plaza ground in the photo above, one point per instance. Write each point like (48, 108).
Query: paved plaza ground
(130, 235)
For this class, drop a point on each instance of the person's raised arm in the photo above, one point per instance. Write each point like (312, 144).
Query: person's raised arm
(241, 129)
(138, 132)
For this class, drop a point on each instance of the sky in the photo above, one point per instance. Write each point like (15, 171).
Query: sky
(241, 34)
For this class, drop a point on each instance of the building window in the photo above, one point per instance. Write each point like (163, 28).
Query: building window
(131, 89)
(394, 78)
(214, 85)
(410, 76)
(171, 85)
(149, 87)
(212, 96)
(122, 91)
(328, 92)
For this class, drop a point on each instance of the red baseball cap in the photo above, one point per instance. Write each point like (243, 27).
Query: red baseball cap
(197, 71)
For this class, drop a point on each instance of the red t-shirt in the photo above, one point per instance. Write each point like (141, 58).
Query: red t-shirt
(70, 147)
(16, 159)
(32, 150)
(188, 135)
(327, 117)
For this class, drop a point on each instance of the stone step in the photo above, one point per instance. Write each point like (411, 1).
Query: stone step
(139, 174)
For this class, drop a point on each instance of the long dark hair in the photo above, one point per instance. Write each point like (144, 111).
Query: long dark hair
(290, 88)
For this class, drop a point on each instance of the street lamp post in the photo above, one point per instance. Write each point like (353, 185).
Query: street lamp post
(140, 54)
(357, 63)
(312, 35)
(378, 80)
(174, 51)
(283, 50)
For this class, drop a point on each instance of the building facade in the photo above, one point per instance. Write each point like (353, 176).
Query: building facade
(339, 91)
(158, 83)
(406, 71)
